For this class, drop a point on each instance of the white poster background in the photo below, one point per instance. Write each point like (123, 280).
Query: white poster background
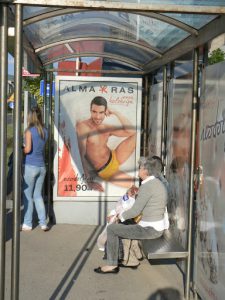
(155, 119)
(210, 262)
(72, 104)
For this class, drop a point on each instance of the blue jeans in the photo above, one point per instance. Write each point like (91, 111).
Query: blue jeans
(32, 194)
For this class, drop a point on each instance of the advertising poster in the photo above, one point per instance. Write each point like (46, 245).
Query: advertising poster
(155, 119)
(97, 136)
(178, 164)
(210, 261)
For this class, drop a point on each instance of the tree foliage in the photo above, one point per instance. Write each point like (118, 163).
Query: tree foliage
(216, 56)
(32, 85)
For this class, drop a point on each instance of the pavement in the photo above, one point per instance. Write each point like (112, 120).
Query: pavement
(59, 264)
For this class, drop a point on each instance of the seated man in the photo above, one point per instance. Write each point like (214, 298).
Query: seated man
(151, 202)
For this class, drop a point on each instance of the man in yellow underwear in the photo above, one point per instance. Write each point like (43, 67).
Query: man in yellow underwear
(93, 137)
(110, 168)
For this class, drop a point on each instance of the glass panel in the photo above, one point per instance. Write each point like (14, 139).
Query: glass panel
(32, 11)
(85, 31)
(196, 21)
(122, 25)
(111, 64)
(156, 33)
(83, 24)
(134, 53)
(72, 49)
(52, 53)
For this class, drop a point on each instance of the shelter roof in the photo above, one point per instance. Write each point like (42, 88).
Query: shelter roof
(141, 35)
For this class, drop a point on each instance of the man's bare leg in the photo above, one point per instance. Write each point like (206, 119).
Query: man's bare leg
(125, 149)
(122, 179)
(123, 152)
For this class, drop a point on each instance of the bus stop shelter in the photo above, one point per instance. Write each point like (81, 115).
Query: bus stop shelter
(131, 38)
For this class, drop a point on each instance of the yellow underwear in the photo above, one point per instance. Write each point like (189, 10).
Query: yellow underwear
(110, 168)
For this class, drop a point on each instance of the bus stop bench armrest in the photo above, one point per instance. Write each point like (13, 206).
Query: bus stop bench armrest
(163, 247)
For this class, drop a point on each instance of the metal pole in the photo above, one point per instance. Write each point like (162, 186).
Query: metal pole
(3, 139)
(78, 71)
(163, 146)
(47, 93)
(77, 65)
(17, 154)
(26, 94)
(192, 167)
(44, 97)
(50, 146)
(172, 66)
(145, 136)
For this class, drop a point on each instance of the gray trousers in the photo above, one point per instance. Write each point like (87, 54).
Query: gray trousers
(133, 232)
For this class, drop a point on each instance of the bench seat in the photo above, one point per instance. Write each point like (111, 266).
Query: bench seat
(164, 247)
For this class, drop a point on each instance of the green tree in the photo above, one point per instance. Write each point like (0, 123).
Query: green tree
(216, 56)
(32, 85)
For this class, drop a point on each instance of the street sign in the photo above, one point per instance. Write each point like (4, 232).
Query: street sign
(26, 73)
(47, 88)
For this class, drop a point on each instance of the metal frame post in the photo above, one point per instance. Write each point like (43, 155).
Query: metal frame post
(44, 97)
(26, 93)
(145, 135)
(17, 154)
(192, 167)
(164, 105)
(47, 98)
(172, 67)
(49, 146)
(3, 139)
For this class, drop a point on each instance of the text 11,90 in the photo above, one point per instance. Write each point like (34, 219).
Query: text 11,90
(76, 188)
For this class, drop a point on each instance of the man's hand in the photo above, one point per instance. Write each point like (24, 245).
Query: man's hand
(95, 186)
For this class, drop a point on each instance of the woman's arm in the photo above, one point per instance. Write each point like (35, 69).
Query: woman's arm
(139, 204)
(27, 141)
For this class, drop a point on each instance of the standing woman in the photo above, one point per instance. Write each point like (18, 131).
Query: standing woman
(34, 170)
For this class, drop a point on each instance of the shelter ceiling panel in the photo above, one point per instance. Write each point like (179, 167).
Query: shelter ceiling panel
(85, 24)
(121, 25)
(52, 53)
(133, 53)
(32, 11)
(99, 47)
(92, 55)
(196, 21)
(111, 64)
(71, 48)
(79, 30)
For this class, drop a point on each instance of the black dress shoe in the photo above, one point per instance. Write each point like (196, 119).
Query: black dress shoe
(131, 267)
(113, 271)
